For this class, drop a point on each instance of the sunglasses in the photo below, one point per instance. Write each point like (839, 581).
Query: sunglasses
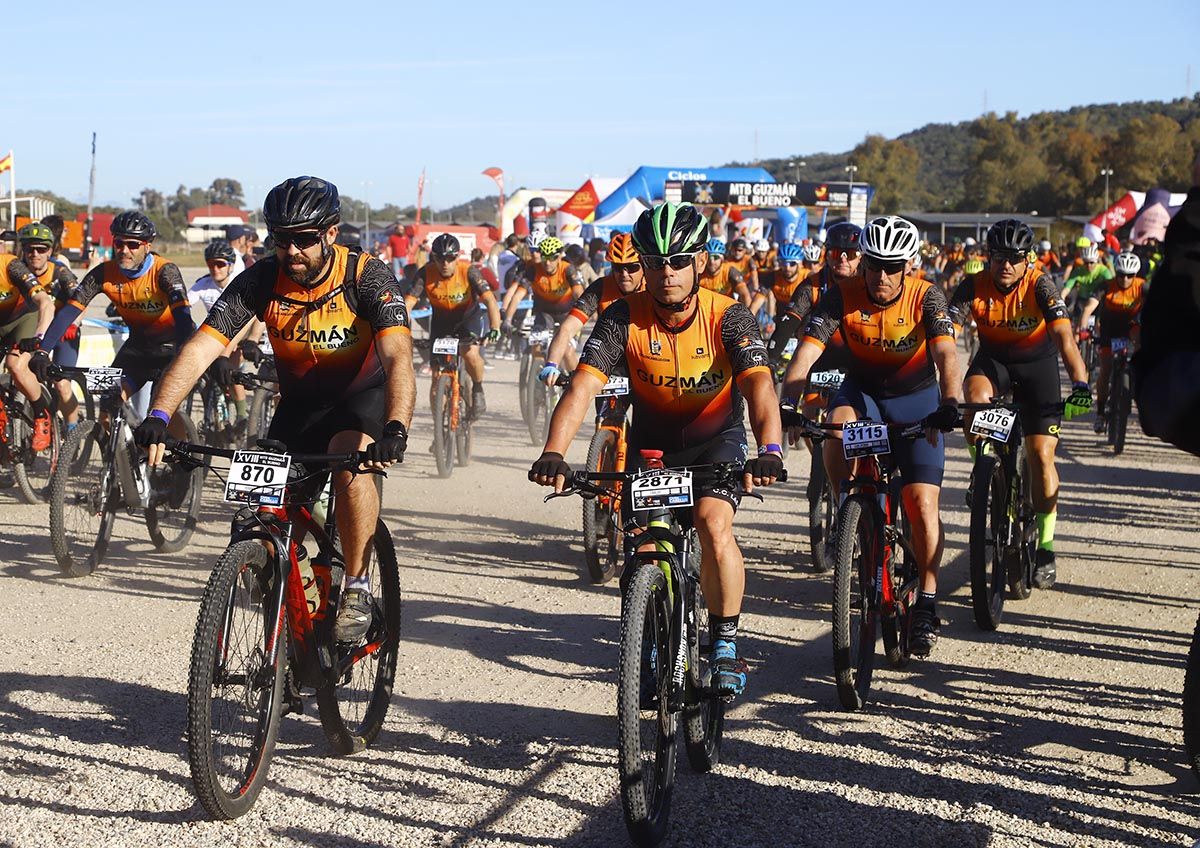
(838, 251)
(303, 240)
(677, 261)
(629, 268)
(790, 264)
(217, 263)
(36, 248)
(893, 267)
(447, 259)
(1011, 257)
(127, 244)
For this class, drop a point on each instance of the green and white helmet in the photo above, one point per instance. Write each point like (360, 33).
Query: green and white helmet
(670, 228)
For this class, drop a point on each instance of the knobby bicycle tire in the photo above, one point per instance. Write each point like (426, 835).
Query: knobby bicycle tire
(601, 541)
(821, 510)
(170, 527)
(33, 471)
(78, 513)
(536, 396)
(855, 560)
(894, 628)
(466, 408)
(443, 436)
(1120, 405)
(1020, 562)
(989, 517)
(523, 385)
(1191, 704)
(646, 786)
(703, 721)
(241, 573)
(348, 728)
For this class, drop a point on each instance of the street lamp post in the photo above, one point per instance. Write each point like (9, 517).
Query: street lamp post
(366, 240)
(1106, 173)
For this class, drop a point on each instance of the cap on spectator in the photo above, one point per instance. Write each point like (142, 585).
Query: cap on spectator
(236, 231)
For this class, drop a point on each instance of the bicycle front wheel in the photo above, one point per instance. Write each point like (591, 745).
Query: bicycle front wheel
(601, 535)
(234, 688)
(536, 397)
(466, 409)
(352, 709)
(1191, 704)
(704, 719)
(988, 541)
(821, 509)
(175, 495)
(855, 600)
(80, 487)
(646, 730)
(33, 469)
(443, 433)
(1120, 405)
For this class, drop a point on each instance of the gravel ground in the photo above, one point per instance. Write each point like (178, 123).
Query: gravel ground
(1060, 729)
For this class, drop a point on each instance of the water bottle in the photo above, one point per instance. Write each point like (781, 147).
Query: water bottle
(308, 580)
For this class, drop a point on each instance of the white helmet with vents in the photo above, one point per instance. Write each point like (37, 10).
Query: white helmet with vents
(1127, 264)
(890, 239)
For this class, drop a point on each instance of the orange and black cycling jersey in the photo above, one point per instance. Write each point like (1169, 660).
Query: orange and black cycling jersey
(58, 281)
(17, 287)
(597, 297)
(682, 380)
(455, 294)
(1013, 325)
(1119, 306)
(323, 334)
(1048, 261)
(745, 266)
(781, 286)
(766, 263)
(805, 298)
(145, 303)
(554, 292)
(725, 281)
(888, 346)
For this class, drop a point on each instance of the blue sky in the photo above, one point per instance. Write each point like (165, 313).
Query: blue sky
(184, 93)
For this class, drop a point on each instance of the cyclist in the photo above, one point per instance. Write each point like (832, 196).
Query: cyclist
(692, 356)
(147, 292)
(741, 260)
(721, 277)
(554, 285)
(1084, 279)
(1023, 331)
(765, 256)
(26, 312)
(1047, 260)
(624, 278)
(902, 367)
(455, 289)
(343, 351)
(577, 258)
(37, 243)
(780, 283)
(222, 260)
(1119, 304)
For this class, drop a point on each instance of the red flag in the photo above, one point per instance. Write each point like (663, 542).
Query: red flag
(498, 175)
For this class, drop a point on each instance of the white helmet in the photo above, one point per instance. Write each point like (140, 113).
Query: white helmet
(1043, 245)
(969, 242)
(762, 245)
(1127, 264)
(1091, 253)
(812, 252)
(890, 238)
(535, 239)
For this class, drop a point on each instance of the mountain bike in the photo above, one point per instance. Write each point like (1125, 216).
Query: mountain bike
(218, 415)
(606, 453)
(453, 404)
(539, 399)
(1191, 704)
(264, 632)
(1087, 348)
(665, 642)
(30, 469)
(822, 504)
(263, 390)
(1120, 395)
(101, 472)
(875, 581)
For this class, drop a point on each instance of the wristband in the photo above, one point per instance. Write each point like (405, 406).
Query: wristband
(1080, 387)
(160, 415)
(770, 449)
(549, 364)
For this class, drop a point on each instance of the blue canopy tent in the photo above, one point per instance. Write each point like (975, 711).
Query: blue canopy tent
(647, 183)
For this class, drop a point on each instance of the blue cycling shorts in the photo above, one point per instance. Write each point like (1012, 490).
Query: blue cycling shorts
(918, 461)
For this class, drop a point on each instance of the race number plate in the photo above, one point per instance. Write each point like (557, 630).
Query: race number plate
(257, 478)
(661, 490)
(994, 424)
(615, 387)
(528, 322)
(790, 347)
(865, 438)
(447, 345)
(102, 380)
(541, 337)
(831, 380)
(1120, 345)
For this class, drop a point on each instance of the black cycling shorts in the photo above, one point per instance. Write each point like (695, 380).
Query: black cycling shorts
(142, 362)
(1034, 385)
(459, 324)
(727, 446)
(306, 425)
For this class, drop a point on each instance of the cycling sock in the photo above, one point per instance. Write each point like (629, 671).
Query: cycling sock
(724, 627)
(971, 450)
(362, 582)
(240, 406)
(1045, 523)
(927, 601)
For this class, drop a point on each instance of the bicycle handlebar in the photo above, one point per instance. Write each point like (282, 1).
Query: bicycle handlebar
(352, 458)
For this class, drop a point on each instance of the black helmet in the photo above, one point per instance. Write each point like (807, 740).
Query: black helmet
(1010, 234)
(670, 228)
(844, 236)
(445, 246)
(739, 242)
(220, 249)
(302, 203)
(133, 224)
(575, 254)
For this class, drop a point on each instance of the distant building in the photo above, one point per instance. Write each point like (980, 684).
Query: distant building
(208, 222)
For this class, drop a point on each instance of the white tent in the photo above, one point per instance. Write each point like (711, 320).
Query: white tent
(620, 221)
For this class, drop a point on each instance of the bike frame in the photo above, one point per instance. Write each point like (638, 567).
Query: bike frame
(449, 365)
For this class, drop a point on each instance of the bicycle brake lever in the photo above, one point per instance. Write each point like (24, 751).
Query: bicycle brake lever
(753, 494)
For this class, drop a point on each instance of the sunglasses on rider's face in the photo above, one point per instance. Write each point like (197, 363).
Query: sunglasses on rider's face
(677, 261)
(893, 267)
(447, 259)
(217, 264)
(302, 240)
(1012, 257)
(836, 252)
(629, 268)
(127, 244)
(36, 248)
(790, 264)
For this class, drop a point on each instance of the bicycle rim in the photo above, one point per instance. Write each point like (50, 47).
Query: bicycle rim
(646, 737)
(855, 606)
(77, 499)
(234, 691)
